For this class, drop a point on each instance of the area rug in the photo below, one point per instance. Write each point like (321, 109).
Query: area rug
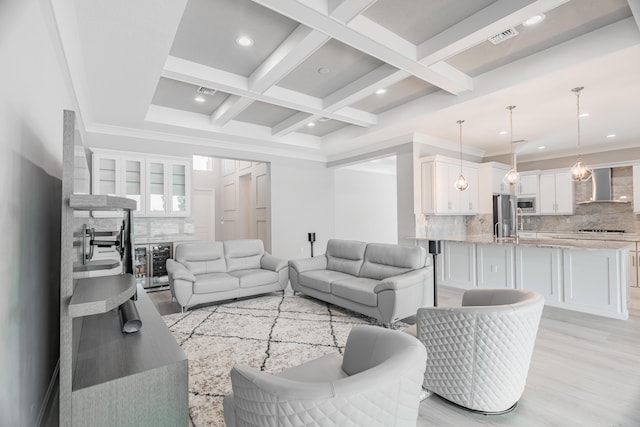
(271, 333)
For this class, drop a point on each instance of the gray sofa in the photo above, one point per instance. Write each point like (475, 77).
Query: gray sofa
(384, 281)
(204, 272)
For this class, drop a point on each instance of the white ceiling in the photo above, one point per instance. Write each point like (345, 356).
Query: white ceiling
(136, 67)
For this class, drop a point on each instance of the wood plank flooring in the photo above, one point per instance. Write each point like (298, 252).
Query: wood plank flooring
(585, 372)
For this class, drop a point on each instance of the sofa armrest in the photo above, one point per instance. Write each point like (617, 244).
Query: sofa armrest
(406, 280)
(270, 262)
(178, 271)
(308, 264)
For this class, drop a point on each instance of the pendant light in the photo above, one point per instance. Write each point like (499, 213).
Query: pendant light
(461, 183)
(579, 172)
(511, 178)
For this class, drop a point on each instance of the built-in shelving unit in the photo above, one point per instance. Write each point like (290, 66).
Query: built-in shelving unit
(97, 295)
(108, 377)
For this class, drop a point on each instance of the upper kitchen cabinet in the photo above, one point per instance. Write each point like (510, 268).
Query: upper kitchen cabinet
(439, 195)
(528, 184)
(490, 182)
(636, 189)
(160, 186)
(556, 194)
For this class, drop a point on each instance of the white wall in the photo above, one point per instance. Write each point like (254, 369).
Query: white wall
(365, 206)
(301, 202)
(34, 91)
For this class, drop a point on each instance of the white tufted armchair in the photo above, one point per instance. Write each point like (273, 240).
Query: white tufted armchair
(479, 354)
(376, 384)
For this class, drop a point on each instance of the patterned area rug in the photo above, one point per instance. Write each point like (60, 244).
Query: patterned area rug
(271, 332)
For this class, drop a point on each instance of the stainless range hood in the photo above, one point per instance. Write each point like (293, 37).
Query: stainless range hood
(601, 187)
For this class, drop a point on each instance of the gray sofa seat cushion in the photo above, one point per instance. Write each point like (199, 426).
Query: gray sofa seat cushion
(385, 260)
(255, 277)
(321, 280)
(214, 282)
(345, 256)
(202, 258)
(356, 289)
(243, 254)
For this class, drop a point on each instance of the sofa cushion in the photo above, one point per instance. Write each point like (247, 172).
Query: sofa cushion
(243, 254)
(385, 260)
(255, 277)
(345, 256)
(320, 280)
(357, 289)
(214, 282)
(202, 257)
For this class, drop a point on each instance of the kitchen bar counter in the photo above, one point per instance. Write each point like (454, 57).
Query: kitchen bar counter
(588, 275)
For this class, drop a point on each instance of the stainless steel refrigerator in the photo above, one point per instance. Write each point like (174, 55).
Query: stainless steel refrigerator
(504, 215)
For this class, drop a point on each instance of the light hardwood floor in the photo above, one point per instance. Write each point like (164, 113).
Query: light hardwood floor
(585, 372)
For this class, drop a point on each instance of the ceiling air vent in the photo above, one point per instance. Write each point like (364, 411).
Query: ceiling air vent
(505, 35)
(206, 90)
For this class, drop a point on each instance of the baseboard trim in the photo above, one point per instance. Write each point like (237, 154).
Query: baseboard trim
(46, 402)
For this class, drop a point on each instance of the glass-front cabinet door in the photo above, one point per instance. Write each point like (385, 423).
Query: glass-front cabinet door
(107, 174)
(179, 188)
(157, 188)
(133, 185)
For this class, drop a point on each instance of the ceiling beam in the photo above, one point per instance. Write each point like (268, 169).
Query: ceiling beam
(346, 10)
(635, 10)
(293, 123)
(365, 36)
(229, 109)
(477, 28)
(201, 75)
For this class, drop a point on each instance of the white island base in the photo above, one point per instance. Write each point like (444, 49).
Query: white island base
(591, 277)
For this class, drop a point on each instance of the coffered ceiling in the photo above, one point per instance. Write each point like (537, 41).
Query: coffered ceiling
(327, 79)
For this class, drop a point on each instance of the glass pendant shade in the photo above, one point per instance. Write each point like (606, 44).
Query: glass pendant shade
(579, 172)
(461, 183)
(511, 178)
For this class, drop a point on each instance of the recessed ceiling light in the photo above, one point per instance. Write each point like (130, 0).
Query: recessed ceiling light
(611, 135)
(323, 70)
(584, 115)
(381, 91)
(244, 41)
(199, 99)
(542, 147)
(311, 124)
(536, 19)
(503, 132)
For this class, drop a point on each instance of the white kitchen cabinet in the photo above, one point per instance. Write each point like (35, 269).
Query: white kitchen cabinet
(160, 186)
(539, 269)
(527, 185)
(490, 182)
(636, 189)
(495, 265)
(556, 194)
(595, 280)
(458, 265)
(118, 175)
(438, 193)
(169, 187)
(634, 259)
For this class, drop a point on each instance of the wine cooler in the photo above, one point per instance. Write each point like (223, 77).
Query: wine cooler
(150, 264)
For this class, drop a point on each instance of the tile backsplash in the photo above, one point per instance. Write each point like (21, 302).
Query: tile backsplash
(606, 215)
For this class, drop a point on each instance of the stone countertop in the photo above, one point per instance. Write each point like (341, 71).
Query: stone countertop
(562, 243)
(166, 239)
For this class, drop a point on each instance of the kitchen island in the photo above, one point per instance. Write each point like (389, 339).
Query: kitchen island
(591, 276)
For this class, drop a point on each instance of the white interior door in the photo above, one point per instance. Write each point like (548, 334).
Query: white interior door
(204, 213)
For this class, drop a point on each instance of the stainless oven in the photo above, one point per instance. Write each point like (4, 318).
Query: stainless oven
(527, 204)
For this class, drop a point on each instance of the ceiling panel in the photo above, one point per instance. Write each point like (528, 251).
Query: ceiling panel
(397, 94)
(261, 113)
(566, 22)
(344, 64)
(322, 128)
(419, 20)
(209, 29)
(180, 95)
